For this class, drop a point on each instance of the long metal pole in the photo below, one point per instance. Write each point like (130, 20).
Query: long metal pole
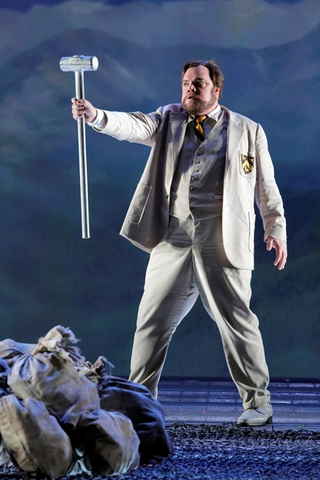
(83, 173)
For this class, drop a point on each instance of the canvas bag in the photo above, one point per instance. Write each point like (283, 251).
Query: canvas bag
(10, 350)
(34, 439)
(106, 442)
(137, 403)
(49, 374)
(4, 372)
(146, 413)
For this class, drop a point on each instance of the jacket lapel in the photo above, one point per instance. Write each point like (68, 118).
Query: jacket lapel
(235, 132)
(178, 130)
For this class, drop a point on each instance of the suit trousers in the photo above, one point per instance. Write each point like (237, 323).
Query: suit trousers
(189, 262)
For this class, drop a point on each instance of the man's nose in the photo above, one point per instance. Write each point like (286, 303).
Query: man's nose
(191, 87)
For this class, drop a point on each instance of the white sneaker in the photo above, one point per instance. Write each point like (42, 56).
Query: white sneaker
(256, 417)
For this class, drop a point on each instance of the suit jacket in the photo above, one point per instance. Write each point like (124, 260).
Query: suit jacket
(248, 177)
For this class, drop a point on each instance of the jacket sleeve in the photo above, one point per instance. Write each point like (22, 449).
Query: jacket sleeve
(135, 127)
(267, 193)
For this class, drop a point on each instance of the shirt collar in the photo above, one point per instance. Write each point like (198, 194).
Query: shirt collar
(214, 114)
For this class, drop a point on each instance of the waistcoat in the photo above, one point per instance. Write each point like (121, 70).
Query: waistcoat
(197, 185)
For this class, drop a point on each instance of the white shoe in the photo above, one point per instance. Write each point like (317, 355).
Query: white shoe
(256, 417)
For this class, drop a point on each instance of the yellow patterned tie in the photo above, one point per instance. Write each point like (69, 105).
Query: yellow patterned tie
(199, 127)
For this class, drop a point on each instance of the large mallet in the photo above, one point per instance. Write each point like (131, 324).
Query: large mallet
(78, 64)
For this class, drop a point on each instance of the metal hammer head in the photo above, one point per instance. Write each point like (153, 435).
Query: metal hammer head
(79, 63)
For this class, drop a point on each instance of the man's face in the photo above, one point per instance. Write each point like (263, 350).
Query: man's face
(199, 95)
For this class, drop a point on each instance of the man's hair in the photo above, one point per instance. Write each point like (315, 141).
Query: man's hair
(214, 71)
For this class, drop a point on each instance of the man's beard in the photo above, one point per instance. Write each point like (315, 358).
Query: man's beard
(196, 106)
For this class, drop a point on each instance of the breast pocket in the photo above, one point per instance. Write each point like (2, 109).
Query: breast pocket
(247, 165)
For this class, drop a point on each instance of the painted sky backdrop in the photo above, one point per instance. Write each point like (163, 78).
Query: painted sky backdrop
(269, 52)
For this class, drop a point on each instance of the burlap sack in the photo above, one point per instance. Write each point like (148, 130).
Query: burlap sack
(4, 372)
(146, 413)
(34, 439)
(11, 350)
(48, 374)
(61, 340)
(5, 458)
(58, 339)
(107, 443)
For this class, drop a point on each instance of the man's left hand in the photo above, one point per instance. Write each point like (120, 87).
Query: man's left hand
(280, 247)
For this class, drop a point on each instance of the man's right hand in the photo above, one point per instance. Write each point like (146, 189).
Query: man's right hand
(83, 109)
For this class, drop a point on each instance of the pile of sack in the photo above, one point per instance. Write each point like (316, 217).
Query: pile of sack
(60, 415)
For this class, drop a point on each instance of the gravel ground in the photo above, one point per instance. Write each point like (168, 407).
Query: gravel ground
(226, 452)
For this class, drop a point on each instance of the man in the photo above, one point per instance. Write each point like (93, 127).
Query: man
(193, 210)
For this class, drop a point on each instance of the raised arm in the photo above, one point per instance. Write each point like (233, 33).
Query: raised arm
(133, 127)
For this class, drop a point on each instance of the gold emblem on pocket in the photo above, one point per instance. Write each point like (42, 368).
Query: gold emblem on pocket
(247, 163)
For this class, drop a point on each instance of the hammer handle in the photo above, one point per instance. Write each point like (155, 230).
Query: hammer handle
(79, 84)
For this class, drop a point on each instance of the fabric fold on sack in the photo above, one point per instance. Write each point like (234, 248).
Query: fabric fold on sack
(60, 340)
(137, 403)
(34, 438)
(49, 374)
(106, 442)
(10, 350)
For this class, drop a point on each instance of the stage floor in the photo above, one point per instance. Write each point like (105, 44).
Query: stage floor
(296, 404)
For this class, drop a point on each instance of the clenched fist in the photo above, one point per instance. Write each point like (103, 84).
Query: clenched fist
(83, 109)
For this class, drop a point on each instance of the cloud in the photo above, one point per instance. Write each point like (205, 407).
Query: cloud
(253, 24)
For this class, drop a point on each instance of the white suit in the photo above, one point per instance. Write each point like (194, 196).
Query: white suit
(216, 261)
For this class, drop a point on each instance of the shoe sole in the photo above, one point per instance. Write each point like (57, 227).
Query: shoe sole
(248, 424)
